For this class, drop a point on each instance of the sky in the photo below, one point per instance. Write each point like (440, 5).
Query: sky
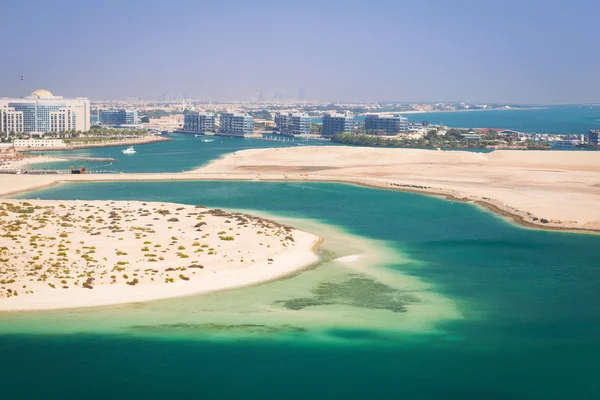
(525, 51)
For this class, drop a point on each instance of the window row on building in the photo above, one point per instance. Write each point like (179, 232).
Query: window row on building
(385, 125)
(231, 124)
(199, 122)
(236, 124)
(118, 117)
(293, 124)
(334, 124)
(34, 143)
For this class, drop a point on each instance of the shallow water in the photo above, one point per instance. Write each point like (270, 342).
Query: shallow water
(444, 301)
(184, 153)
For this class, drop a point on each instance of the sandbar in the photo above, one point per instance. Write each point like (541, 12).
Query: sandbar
(557, 190)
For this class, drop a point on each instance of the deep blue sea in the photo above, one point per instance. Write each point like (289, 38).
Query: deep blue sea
(569, 119)
(448, 302)
(563, 119)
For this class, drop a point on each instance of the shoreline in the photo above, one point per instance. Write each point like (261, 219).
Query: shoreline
(27, 160)
(116, 143)
(552, 191)
(515, 215)
(272, 262)
(452, 111)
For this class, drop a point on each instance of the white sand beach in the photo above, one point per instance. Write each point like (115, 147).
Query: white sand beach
(66, 254)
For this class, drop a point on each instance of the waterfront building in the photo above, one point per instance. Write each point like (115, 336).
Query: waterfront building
(44, 112)
(199, 122)
(386, 124)
(11, 121)
(338, 123)
(236, 124)
(293, 124)
(20, 143)
(593, 137)
(119, 117)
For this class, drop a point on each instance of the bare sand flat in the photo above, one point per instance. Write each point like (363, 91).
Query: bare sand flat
(546, 189)
(65, 254)
(558, 189)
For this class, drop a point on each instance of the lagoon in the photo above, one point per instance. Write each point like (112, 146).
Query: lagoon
(444, 301)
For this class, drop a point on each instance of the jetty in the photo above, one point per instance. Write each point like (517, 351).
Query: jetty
(89, 159)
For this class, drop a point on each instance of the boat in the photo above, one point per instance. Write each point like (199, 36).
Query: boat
(208, 140)
(196, 135)
(129, 150)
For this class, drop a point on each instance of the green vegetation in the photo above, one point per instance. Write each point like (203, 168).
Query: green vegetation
(262, 114)
(453, 138)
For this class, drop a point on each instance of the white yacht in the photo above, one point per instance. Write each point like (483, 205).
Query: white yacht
(129, 150)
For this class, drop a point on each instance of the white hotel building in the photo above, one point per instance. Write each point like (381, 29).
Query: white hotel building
(43, 112)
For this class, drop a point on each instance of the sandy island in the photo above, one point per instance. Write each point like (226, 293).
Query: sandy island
(546, 189)
(65, 254)
(557, 190)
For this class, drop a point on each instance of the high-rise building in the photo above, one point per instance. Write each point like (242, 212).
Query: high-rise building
(119, 117)
(199, 122)
(593, 137)
(337, 123)
(11, 121)
(236, 124)
(301, 93)
(385, 125)
(293, 123)
(43, 112)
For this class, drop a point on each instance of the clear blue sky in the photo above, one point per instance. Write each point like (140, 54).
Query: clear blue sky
(480, 51)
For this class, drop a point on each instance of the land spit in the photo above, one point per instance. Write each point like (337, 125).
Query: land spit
(64, 254)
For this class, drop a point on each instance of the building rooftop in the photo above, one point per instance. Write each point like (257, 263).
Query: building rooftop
(41, 93)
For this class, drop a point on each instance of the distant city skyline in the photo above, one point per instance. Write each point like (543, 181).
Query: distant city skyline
(536, 52)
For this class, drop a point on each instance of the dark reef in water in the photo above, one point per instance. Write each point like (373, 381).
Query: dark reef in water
(213, 328)
(355, 292)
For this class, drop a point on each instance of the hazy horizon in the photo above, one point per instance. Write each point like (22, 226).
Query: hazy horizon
(534, 52)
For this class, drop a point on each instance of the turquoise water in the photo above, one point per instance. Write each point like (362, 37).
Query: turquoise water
(183, 153)
(515, 316)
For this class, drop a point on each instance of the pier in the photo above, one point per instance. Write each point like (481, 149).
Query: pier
(89, 159)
